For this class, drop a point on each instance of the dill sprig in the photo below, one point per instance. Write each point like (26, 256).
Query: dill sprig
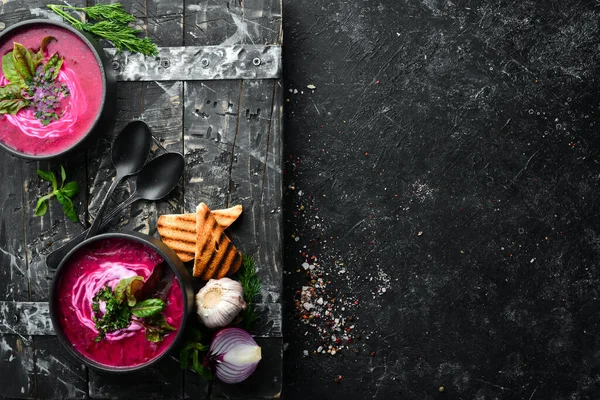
(110, 22)
(252, 288)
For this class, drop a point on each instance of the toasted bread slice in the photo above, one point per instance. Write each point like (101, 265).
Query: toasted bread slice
(216, 256)
(178, 231)
(227, 216)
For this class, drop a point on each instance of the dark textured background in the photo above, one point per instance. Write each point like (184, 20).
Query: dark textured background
(449, 147)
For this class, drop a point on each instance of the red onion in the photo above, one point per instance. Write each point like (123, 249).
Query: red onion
(235, 355)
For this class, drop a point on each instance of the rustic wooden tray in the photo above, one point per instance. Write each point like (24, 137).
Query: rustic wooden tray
(215, 95)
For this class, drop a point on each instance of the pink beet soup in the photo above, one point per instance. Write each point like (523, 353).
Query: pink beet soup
(80, 73)
(91, 269)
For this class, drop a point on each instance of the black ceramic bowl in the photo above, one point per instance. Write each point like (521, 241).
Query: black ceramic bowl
(181, 273)
(107, 110)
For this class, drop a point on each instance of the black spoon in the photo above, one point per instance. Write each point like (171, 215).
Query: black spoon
(129, 152)
(156, 180)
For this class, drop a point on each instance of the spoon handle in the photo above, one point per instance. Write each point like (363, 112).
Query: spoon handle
(54, 258)
(98, 220)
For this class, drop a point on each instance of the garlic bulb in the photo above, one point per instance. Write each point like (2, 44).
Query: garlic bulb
(219, 301)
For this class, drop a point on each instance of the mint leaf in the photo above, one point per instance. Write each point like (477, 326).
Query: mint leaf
(10, 72)
(147, 308)
(41, 208)
(48, 176)
(63, 175)
(23, 62)
(67, 206)
(70, 189)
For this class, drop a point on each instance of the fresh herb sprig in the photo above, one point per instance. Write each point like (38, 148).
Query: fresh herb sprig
(121, 304)
(191, 355)
(63, 194)
(252, 288)
(110, 22)
(116, 316)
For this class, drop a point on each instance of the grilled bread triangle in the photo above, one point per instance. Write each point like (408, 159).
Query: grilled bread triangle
(227, 216)
(178, 231)
(216, 256)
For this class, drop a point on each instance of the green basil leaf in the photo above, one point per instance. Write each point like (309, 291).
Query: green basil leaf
(147, 308)
(204, 372)
(154, 336)
(41, 207)
(200, 369)
(184, 359)
(196, 335)
(46, 41)
(23, 62)
(159, 320)
(67, 206)
(70, 189)
(10, 72)
(123, 290)
(63, 174)
(48, 176)
(12, 106)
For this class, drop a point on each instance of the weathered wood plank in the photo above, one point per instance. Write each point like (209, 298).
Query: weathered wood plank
(59, 376)
(16, 362)
(251, 173)
(212, 23)
(210, 122)
(160, 106)
(163, 381)
(25, 318)
(209, 23)
(265, 383)
(14, 282)
(22, 354)
(162, 20)
(12, 12)
(199, 63)
(54, 228)
(43, 235)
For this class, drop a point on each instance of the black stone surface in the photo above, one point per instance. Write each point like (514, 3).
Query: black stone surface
(451, 152)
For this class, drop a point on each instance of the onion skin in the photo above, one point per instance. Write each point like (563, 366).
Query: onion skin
(234, 354)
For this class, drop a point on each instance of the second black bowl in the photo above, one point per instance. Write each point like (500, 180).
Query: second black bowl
(109, 257)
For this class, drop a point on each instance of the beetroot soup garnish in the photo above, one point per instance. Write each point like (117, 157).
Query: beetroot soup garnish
(114, 310)
(33, 82)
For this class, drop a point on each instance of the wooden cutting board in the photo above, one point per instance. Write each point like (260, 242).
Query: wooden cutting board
(215, 95)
